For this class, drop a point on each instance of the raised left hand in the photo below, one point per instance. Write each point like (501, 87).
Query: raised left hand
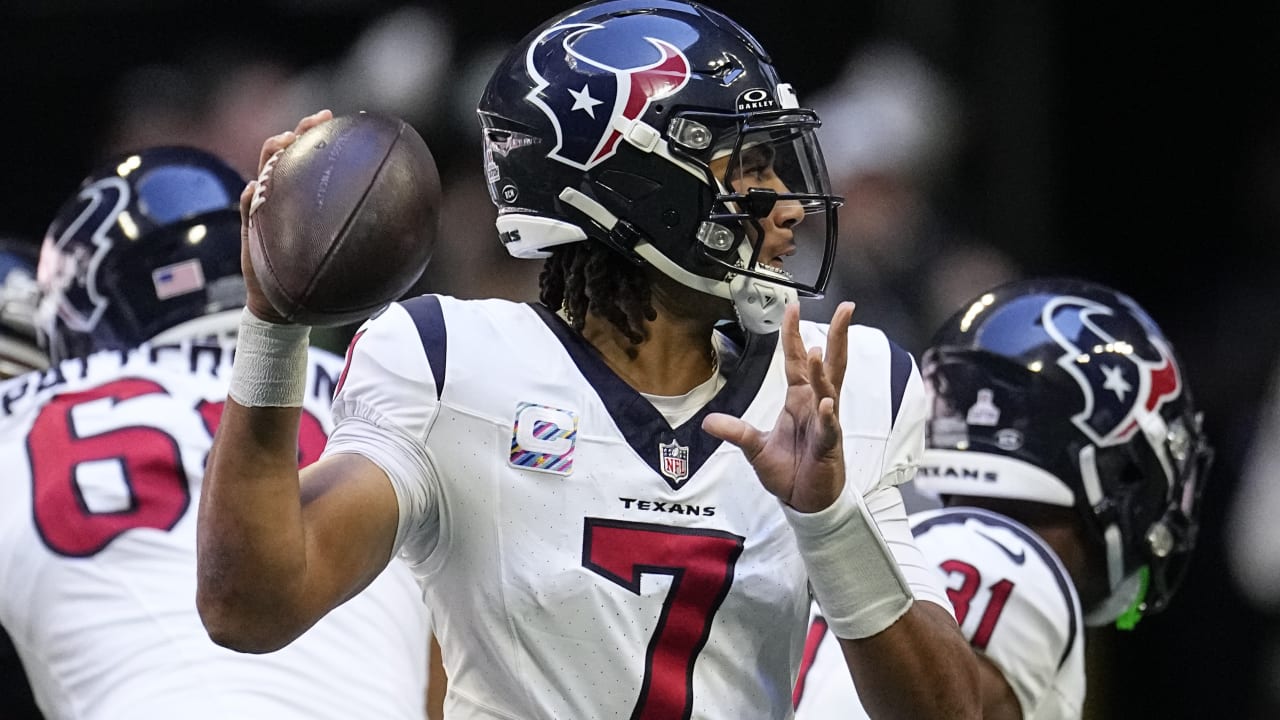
(801, 460)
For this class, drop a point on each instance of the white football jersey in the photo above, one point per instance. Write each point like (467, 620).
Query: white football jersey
(1014, 602)
(582, 558)
(103, 461)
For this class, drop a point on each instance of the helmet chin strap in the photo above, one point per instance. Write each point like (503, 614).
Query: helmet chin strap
(758, 303)
(1128, 619)
(1124, 605)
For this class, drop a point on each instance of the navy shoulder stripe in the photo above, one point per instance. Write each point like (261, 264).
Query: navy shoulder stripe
(957, 516)
(429, 319)
(899, 372)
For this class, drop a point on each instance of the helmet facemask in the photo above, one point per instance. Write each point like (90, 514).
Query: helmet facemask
(1148, 516)
(768, 178)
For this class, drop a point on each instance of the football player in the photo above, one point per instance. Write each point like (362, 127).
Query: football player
(615, 503)
(104, 454)
(1070, 457)
(18, 354)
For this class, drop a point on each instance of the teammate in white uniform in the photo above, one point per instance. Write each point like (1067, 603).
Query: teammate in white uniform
(580, 485)
(104, 455)
(1064, 440)
(19, 353)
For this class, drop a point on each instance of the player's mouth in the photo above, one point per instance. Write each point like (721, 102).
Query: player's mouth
(773, 268)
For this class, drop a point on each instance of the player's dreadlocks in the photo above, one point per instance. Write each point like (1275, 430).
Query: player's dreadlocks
(587, 277)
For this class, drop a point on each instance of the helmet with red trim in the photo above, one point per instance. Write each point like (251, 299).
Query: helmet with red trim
(661, 129)
(1065, 392)
(148, 246)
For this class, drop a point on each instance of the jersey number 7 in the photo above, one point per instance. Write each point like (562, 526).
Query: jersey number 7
(700, 564)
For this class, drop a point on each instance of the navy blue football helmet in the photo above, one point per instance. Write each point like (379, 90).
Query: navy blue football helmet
(646, 125)
(149, 242)
(18, 350)
(1065, 392)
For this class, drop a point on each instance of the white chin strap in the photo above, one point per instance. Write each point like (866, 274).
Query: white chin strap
(1122, 598)
(758, 303)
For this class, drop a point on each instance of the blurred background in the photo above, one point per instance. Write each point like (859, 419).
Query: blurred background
(976, 142)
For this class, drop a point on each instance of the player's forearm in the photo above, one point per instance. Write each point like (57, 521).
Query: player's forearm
(251, 556)
(918, 667)
(907, 656)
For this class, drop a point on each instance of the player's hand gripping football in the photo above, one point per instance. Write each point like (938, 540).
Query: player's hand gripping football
(801, 460)
(257, 301)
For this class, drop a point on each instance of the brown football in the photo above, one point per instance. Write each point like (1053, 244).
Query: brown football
(345, 219)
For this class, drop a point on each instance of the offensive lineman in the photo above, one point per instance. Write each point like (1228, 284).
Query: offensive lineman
(104, 454)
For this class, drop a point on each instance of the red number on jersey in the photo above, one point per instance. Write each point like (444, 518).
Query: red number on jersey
(812, 641)
(146, 458)
(311, 437)
(700, 563)
(962, 598)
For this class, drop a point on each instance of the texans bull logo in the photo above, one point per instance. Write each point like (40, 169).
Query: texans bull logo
(73, 275)
(578, 89)
(1119, 385)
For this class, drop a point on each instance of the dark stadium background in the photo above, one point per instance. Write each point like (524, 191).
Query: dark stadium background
(1138, 147)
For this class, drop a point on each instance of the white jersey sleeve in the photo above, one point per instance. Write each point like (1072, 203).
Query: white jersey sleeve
(384, 405)
(104, 464)
(1014, 601)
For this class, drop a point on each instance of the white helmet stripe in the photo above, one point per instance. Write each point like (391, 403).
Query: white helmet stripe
(959, 472)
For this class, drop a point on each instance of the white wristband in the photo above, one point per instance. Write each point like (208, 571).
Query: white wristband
(854, 576)
(270, 368)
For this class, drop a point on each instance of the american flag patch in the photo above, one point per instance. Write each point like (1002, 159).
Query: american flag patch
(178, 279)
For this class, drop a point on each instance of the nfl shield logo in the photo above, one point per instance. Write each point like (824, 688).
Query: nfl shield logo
(675, 460)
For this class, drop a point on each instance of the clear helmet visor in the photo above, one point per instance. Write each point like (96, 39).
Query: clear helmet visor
(774, 199)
